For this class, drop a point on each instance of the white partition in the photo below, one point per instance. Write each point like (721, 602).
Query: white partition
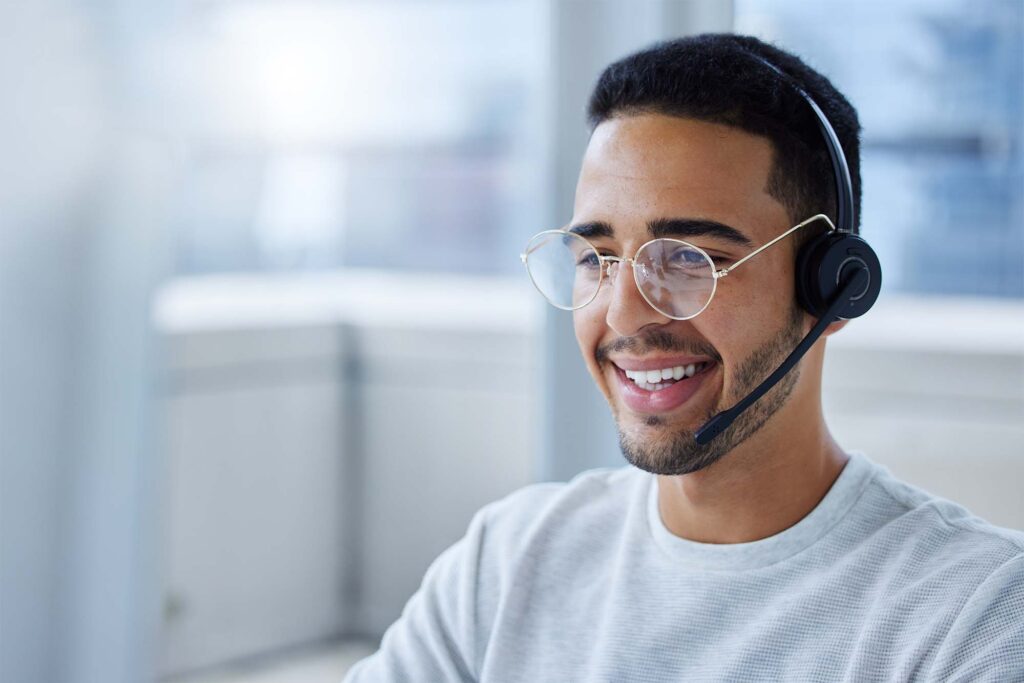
(328, 438)
(254, 524)
(447, 428)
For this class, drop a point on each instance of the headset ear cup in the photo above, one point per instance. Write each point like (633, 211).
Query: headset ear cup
(825, 262)
(808, 294)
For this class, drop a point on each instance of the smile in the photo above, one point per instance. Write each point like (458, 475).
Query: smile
(657, 380)
(662, 389)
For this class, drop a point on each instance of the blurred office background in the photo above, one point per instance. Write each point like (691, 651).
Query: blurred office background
(266, 343)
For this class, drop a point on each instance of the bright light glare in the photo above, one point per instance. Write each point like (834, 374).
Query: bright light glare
(301, 209)
(291, 67)
(314, 72)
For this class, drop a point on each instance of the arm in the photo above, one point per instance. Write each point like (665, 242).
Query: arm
(986, 641)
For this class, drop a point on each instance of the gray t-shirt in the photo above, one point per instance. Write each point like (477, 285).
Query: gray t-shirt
(582, 582)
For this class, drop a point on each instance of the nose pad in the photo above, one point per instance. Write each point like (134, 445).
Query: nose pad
(611, 270)
(640, 271)
(628, 309)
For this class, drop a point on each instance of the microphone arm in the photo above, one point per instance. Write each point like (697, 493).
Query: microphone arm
(720, 422)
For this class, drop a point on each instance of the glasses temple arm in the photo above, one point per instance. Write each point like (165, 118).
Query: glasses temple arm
(725, 271)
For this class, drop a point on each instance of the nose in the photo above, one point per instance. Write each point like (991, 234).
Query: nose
(628, 311)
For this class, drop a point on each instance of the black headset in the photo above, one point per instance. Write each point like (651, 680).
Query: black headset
(838, 276)
(823, 263)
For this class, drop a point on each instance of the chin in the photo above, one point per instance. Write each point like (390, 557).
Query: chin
(672, 453)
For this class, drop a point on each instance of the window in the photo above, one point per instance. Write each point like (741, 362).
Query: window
(939, 86)
(377, 134)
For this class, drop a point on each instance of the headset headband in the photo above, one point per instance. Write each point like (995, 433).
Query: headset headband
(846, 219)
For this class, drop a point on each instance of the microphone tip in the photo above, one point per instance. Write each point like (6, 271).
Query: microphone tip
(713, 428)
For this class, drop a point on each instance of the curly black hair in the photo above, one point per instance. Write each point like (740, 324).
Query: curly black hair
(715, 77)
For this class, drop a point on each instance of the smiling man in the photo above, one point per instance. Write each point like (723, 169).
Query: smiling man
(642, 174)
(753, 550)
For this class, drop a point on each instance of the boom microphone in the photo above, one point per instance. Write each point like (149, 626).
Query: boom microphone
(850, 290)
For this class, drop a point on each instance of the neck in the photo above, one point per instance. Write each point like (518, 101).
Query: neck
(763, 486)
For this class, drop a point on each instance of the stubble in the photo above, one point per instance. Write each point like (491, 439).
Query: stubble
(678, 453)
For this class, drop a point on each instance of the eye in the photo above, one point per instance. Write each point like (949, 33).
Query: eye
(718, 257)
(686, 257)
(691, 256)
(588, 260)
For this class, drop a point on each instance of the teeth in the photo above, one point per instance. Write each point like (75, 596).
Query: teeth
(654, 380)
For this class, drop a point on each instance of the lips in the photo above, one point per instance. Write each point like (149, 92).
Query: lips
(663, 400)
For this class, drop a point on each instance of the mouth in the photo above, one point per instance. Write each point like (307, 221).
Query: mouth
(660, 388)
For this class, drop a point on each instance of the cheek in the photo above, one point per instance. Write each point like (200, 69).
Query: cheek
(725, 320)
(589, 327)
(742, 315)
(591, 332)
(757, 300)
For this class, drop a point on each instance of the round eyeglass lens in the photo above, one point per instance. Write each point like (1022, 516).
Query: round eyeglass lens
(564, 268)
(676, 278)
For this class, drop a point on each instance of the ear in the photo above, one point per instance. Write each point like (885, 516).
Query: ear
(834, 327)
(830, 329)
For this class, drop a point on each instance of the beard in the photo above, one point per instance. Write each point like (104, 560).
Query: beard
(678, 452)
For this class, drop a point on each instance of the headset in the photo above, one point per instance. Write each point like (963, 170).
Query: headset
(838, 275)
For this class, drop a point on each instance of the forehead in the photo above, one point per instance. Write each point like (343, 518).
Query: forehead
(648, 167)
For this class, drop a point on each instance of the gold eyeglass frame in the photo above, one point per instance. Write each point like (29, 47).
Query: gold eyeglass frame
(606, 261)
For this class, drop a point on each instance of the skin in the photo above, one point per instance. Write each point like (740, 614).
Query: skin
(775, 464)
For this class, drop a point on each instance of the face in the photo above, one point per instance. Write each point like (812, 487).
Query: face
(645, 171)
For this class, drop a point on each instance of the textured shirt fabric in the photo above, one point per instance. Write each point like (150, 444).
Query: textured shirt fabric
(581, 581)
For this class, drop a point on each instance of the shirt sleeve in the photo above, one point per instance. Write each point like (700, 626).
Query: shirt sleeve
(986, 642)
(435, 637)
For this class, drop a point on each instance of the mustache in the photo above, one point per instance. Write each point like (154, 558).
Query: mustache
(655, 340)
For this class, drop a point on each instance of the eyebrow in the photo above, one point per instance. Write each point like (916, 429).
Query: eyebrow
(671, 227)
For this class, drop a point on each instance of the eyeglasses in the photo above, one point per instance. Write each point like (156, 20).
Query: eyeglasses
(676, 278)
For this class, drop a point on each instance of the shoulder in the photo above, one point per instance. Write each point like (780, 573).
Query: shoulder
(932, 551)
(542, 527)
(985, 639)
(588, 496)
(943, 527)
(950, 584)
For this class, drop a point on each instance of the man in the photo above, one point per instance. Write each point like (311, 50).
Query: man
(767, 553)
